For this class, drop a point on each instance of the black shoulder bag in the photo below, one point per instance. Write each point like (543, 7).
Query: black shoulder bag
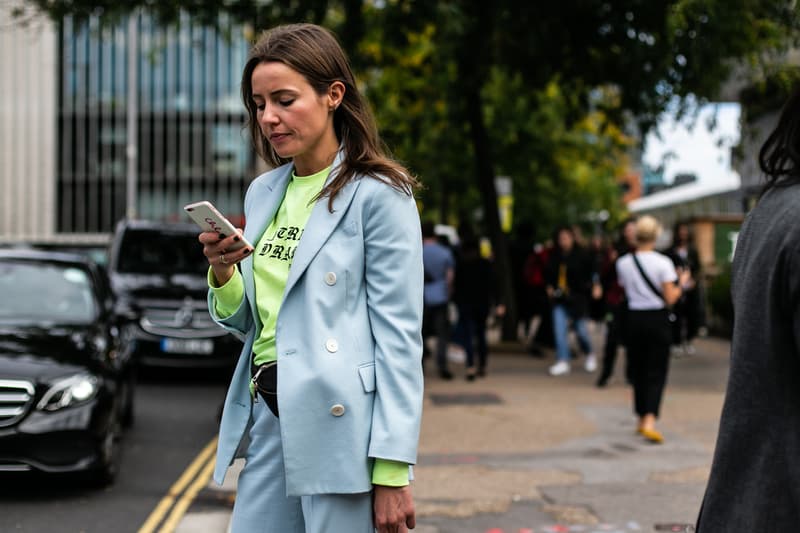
(671, 315)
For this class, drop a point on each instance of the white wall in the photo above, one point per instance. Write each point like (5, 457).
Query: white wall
(28, 78)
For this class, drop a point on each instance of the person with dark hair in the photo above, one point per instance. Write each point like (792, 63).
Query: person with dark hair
(616, 304)
(439, 274)
(689, 308)
(569, 284)
(325, 403)
(753, 480)
(473, 294)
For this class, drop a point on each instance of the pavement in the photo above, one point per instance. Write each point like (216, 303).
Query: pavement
(522, 452)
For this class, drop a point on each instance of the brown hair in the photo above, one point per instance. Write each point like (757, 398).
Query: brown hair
(315, 53)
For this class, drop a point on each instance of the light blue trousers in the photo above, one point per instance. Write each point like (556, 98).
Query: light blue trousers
(262, 505)
(561, 318)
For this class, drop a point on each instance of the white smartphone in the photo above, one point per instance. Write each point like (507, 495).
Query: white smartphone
(209, 219)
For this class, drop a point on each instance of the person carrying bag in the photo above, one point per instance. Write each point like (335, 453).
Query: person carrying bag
(649, 330)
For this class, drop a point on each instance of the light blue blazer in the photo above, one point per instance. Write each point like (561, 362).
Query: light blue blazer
(348, 337)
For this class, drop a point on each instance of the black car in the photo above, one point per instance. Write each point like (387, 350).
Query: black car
(66, 374)
(159, 273)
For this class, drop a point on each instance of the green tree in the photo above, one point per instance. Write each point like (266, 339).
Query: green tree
(446, 76)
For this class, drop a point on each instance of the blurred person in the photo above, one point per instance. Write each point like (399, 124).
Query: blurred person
(598, 254)
(536, 293)
(520, 247)
(569, 282)
(473, 294)
(325, 402)
(615, 302)
(439, 274)
(651, 285)
(689, 308)
(753, 480)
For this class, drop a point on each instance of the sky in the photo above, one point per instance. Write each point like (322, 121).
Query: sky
(698, 150)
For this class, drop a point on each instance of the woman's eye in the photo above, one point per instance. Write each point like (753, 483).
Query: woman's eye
(260, 107)
(286, 103)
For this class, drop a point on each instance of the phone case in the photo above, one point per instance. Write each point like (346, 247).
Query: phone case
(210, 219)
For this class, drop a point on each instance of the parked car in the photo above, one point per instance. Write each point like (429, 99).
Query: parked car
(66, 375)
(159, 273)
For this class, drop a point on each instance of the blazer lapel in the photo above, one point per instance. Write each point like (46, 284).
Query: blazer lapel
(319, 227)
(265, 203)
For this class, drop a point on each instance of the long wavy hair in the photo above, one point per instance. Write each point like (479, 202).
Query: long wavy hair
(314, 52)
(779, 157)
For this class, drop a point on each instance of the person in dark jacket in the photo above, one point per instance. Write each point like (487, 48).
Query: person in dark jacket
(616, 304)
(754, 480)
(569, 286)
(689, 309)
(473, 295)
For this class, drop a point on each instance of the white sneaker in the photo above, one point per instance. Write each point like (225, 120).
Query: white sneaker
(591, 363)
(559, 369)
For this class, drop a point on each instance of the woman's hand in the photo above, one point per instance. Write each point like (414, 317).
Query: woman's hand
(222, 262)
(393, 509)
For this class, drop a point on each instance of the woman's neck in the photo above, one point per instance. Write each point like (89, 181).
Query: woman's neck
(646, 247)
(319, 157)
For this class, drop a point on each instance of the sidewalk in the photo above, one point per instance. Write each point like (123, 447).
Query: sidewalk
(522, 452)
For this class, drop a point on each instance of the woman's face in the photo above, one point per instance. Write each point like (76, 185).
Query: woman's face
(296, 121)
(565, 240)
(683, 233)
(629, 233)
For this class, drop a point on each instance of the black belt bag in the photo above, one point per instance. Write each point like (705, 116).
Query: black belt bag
(265, 380)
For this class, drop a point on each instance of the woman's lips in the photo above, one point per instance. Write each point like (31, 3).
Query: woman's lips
(278, 137)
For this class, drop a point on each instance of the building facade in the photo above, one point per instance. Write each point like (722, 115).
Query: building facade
(112, 120)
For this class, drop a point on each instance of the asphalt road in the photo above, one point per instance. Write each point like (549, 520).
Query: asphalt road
(176, 417)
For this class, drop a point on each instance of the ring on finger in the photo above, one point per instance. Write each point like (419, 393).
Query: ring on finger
(222, 259)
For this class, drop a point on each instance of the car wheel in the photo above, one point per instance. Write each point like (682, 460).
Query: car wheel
(110, 456)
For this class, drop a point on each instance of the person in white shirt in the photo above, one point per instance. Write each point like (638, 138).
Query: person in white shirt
(651, 285)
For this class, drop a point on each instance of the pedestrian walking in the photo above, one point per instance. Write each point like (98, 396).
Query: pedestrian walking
(569, 285)
(616, 304)
(473, 295)
(689, 308)
(439, 274)
(325, 402)
(651, 285)
(753, 480)
(535, 289)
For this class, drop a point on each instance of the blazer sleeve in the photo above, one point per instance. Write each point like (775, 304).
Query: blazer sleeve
(394, 283)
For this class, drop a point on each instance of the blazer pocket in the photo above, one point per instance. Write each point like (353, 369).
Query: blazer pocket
(367, 373)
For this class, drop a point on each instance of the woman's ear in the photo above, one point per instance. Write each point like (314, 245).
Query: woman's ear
(335, 94)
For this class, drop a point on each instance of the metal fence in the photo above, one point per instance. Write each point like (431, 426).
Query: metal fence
(189, 120)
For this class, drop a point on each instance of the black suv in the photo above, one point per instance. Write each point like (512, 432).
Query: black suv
(159, 274)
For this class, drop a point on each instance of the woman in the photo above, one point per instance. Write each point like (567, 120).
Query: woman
(325, 402)
(688, 310)
(754, 477)
(569, 287)
(649, 280)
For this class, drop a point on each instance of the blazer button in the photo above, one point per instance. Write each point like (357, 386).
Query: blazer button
(331, 345)
(337, 410)
(330, 278)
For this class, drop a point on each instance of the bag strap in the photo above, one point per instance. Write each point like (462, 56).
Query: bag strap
(647, 279)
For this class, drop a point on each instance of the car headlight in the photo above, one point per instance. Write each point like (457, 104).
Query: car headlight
(68, 392)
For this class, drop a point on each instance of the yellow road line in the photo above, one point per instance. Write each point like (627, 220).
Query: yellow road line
(175, 490)
(183, 504)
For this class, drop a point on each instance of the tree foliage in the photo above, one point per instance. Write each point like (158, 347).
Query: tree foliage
(540, 91)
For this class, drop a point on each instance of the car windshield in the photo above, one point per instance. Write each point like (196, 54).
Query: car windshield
(42, 292)
(160, 252)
